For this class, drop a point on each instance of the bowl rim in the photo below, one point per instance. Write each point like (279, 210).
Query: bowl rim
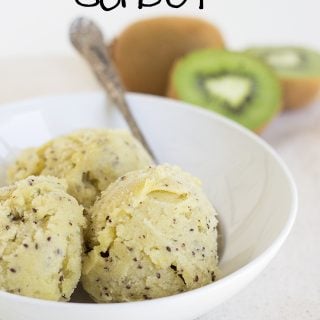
(270, 251)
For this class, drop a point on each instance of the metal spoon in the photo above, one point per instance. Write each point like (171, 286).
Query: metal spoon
(88, 39)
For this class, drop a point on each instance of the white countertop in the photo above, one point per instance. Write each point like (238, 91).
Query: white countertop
(290, 287)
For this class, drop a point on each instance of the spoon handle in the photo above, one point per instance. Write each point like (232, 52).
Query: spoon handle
(88, 39)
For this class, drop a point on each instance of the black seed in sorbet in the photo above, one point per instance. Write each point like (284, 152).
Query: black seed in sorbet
(105, 254)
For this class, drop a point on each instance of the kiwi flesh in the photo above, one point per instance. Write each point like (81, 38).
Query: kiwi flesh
(233, 84)
(145, 51)
(299, 71)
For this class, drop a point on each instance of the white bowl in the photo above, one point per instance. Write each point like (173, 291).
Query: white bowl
(244, 178)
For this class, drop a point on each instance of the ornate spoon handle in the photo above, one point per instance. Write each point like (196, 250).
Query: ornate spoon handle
(87, 38)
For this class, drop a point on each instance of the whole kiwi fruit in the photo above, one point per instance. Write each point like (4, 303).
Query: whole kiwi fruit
(145, 52)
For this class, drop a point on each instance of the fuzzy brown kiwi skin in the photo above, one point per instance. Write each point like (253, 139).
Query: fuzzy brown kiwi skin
(173, 94)
(145, 52)
(299, 92)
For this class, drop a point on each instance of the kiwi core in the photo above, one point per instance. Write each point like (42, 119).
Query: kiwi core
(234, 90)
(284, 59)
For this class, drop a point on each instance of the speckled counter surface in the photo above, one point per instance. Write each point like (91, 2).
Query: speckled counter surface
(290, 286)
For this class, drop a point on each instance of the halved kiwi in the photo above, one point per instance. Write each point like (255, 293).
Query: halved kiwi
(298, 69)
(233, 84)
(145, 51)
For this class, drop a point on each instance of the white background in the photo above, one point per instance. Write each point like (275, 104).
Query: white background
(40, 26)
(33, 46)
